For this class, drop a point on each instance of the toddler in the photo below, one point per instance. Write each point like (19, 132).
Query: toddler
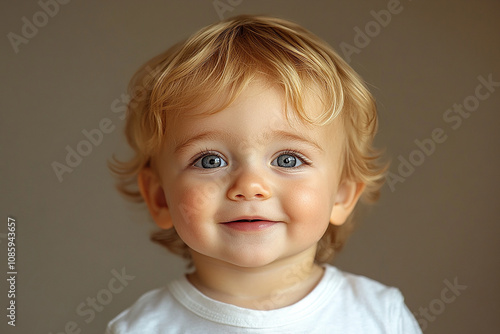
(252, 145)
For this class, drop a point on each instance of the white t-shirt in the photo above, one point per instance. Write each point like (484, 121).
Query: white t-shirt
(340, 303)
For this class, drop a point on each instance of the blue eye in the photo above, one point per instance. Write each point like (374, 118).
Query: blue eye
(287, 161)
(210, 161)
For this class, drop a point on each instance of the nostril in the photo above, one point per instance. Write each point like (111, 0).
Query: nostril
(243, 197)
(246, 190)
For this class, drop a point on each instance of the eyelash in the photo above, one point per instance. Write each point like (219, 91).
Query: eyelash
(205, 152)
(297, 154)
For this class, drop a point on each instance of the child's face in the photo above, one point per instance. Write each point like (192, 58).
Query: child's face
(248, 162)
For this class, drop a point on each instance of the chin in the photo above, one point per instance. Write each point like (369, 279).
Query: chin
(251, 259)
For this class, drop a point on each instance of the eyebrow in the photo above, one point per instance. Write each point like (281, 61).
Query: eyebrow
(209, 135)
(224, 136)
(280, 134)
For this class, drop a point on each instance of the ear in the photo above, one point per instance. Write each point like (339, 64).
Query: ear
(348, 195)
(154, 196)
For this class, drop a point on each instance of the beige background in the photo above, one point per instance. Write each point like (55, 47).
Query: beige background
(441, 224)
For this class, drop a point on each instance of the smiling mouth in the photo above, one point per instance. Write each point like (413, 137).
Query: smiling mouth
(249, 225)
(246, 221)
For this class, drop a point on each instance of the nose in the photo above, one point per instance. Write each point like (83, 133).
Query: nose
(249, 185)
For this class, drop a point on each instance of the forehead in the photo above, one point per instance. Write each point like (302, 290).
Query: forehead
(259, 114)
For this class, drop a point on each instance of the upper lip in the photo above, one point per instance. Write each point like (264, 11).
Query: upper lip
(248, 219)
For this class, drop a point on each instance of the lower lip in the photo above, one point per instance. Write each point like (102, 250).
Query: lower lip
(251, 226)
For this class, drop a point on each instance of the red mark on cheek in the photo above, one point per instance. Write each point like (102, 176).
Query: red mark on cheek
(187, 205)
(196, 200)
(303, 201)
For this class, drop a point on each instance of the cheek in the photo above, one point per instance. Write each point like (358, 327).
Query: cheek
(192, 205)
(308, 205)
(188, 209)
(188, 205)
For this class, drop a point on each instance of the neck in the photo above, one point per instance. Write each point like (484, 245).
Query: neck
(276, 285)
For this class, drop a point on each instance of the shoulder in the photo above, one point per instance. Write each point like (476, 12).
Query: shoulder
(144, 314)
(372, 304)
(361, 287)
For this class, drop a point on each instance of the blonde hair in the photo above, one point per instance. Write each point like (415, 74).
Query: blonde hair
(220, 60)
